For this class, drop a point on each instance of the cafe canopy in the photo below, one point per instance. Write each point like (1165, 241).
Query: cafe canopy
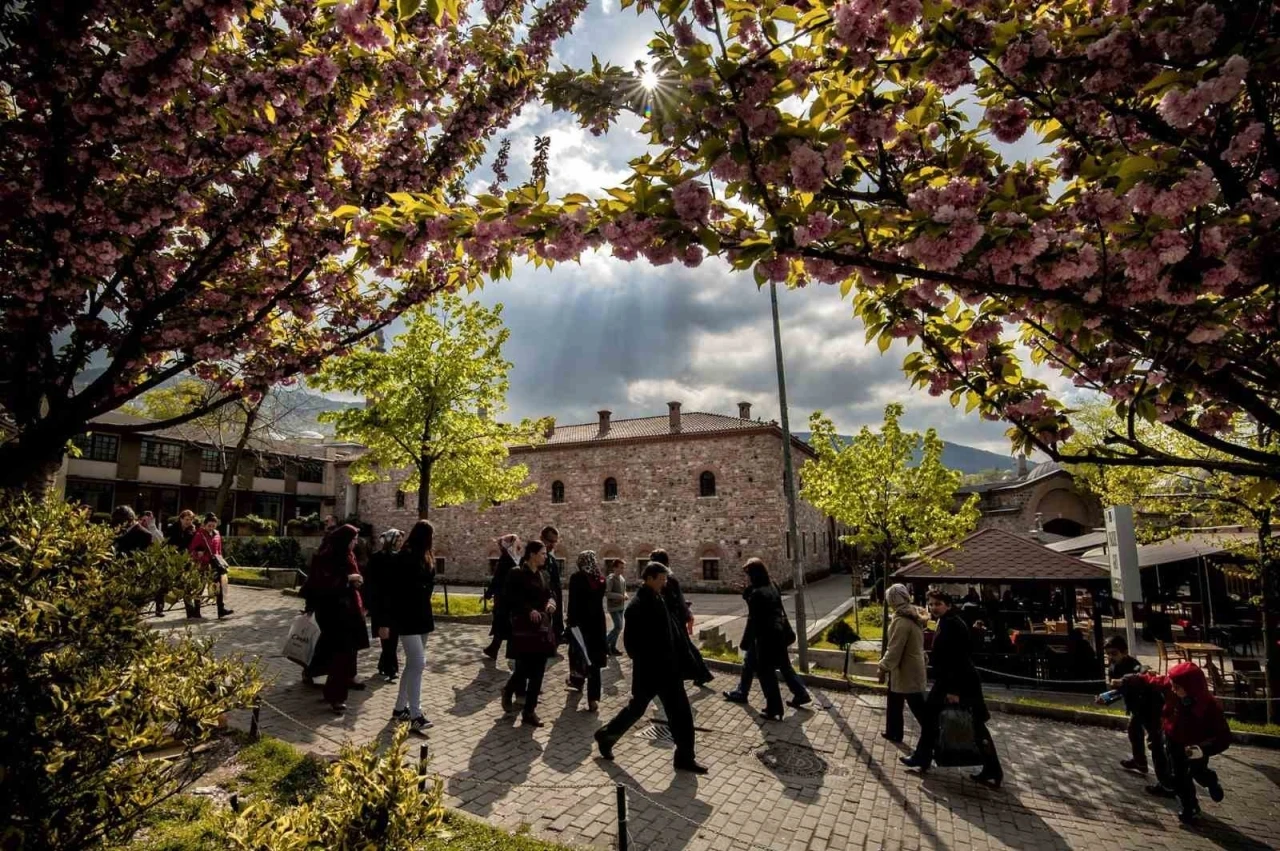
(995, 556)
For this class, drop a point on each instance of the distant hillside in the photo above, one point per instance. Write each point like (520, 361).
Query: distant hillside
(955, 456)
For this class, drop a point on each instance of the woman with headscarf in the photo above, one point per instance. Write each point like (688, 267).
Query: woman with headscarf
(904, 661)
(411, 582)
(533, 639)
(508, 548)
(586, 614)
(378, 599)
(332, 591)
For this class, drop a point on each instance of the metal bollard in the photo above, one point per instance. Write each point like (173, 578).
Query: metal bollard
(422, 766)
(254, 734)
(623, 839)
(234, 802)
(446, 597)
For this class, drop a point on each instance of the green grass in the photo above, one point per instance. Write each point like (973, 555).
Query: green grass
(461, 833)
(278, 772)
(721, 654)
(183, 823)
(245, 574)
(459, 604)
(866, 629)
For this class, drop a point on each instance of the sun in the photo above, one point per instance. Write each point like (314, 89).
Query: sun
(649, 80)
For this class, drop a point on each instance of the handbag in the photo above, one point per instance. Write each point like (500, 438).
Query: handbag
(957, 738)
(530, 638)
(300, 645)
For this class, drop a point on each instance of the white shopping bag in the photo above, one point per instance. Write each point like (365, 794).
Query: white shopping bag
(300, 646)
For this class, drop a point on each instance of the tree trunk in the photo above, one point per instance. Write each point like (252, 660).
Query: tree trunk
(424, 489)
(232, 468)
(30, 462)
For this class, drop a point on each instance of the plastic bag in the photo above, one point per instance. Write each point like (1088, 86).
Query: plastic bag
(304, 635)
(957, 738)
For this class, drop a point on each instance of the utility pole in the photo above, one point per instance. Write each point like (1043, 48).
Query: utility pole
(789, 486)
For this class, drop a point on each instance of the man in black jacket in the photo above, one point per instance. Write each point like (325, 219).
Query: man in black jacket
(682, 614)
(550, 537)
(660, 659)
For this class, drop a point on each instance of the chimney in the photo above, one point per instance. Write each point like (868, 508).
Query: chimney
(483, 413)
(673, 414)
(744, 410)
(604, 422)
(1022, 466)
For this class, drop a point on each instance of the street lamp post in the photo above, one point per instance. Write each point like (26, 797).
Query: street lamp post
(789, 486)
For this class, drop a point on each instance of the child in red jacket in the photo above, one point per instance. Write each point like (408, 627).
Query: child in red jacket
(1194, 730)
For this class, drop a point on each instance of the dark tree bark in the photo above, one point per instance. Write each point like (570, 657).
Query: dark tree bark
(232, 468)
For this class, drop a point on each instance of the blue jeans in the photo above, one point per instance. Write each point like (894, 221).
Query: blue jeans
(612, 638)
(415, 661)
(789, 676)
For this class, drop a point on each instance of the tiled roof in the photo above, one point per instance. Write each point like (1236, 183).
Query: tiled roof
(195, 434)
(693, 422)
(993, 555)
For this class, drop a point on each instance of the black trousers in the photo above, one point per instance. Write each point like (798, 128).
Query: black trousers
(1154, 736)
(702, 674)
(929, 740)
(769, 685)
(893, 716)
(789, 676)
(674, 702)
(527, 678)
(1186, 773)
(388, 660)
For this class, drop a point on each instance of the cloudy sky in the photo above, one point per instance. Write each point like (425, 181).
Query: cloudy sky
(630, 337)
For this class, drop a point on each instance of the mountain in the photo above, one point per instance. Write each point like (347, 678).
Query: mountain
(955, 456)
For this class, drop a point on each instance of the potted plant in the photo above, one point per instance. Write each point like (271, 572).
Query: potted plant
(307, 524)
(252, 524)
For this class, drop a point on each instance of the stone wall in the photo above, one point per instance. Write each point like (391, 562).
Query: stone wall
(1014, 509)
(658, 505)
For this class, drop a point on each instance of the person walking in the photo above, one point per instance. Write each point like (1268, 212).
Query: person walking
(615, 593)
(379, 599)
(508, 548)
(903, 662)
(206, 548)
(586, 616)
(659, 651)
(332, 592)
(132, 535)
(1195, 729)
(533, 638)
(800, 696)
(179, 534)
(956, 683)
(768, 633)
(682, 613)
(411, 582)
(148, 522)
(550, 537)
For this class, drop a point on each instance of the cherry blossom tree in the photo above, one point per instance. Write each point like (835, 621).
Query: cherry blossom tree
(182, 180)
(862, 144)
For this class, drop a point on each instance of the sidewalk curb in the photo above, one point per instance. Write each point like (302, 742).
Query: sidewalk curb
(1081, 717)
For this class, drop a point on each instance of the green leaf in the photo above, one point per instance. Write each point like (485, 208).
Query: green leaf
(407, 8)
(346, 211)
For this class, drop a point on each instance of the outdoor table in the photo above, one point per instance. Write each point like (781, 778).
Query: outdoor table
(1191, 649)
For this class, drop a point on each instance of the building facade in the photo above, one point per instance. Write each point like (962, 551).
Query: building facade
(172, 469)
(1043, 498)
(705, 487)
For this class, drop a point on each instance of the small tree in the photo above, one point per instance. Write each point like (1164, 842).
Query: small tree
(89, 688)
(432, 402)
(871, 486)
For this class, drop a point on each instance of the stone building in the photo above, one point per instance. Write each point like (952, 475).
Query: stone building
(1043, 498)
(705, 487)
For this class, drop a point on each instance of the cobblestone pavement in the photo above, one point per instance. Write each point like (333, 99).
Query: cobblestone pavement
(818, 780)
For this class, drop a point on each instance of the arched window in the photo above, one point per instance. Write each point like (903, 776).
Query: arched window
(610, 489)
(399, 499)
(557, 491)
(707, 484)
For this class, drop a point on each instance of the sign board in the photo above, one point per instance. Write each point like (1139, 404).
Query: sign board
(1122, 555)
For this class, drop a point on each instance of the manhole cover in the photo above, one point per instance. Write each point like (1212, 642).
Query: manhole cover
(656, 733)
(795, 760)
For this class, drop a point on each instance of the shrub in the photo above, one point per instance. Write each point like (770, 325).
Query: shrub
(265, 552)
(841, 634)
(371, 799)
(870, 616)
(89, 688)
(258, 525)
(306, 523)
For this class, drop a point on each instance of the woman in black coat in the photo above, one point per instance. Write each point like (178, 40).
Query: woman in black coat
(768, 634)
(586, 613)
(410, 583)
(378, 598)
(508, 546)
(332, 591)
(533, 638)
(955, 682)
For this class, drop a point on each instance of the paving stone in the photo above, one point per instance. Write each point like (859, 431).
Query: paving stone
(1064, 787)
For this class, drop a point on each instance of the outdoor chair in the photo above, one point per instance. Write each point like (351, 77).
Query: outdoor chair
(1162, 654)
